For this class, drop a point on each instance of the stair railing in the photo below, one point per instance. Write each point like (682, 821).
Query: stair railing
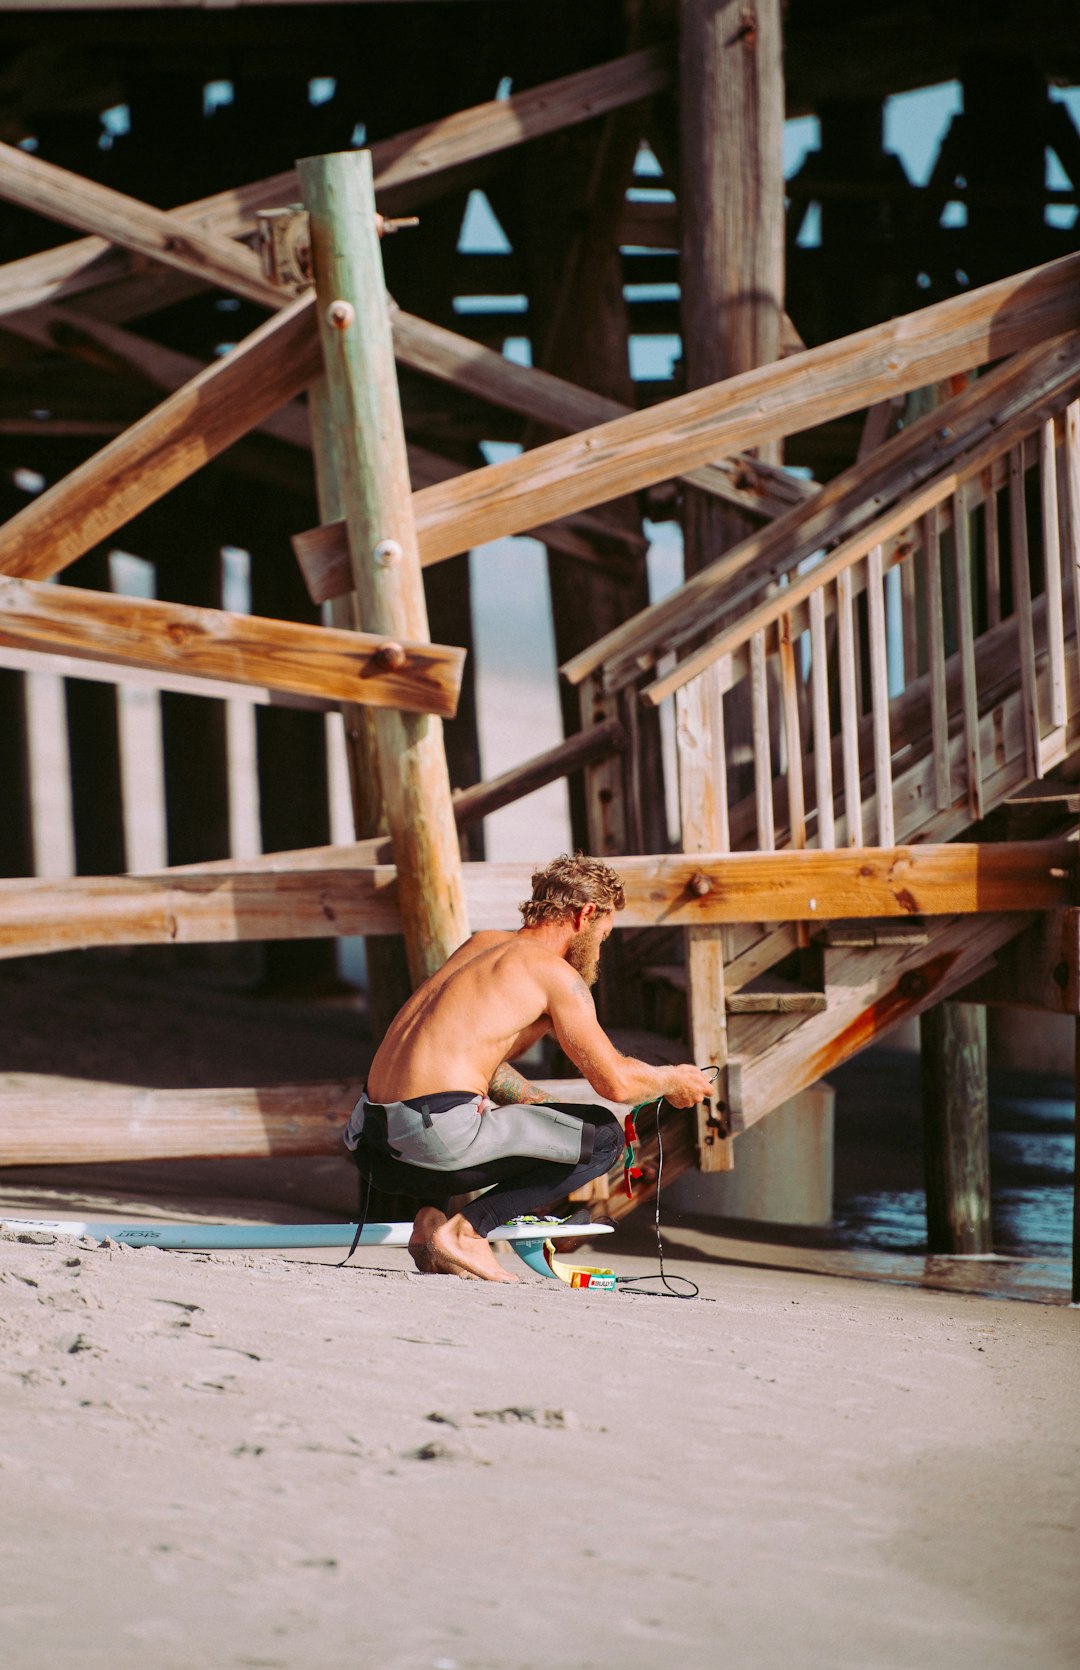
(904, 682)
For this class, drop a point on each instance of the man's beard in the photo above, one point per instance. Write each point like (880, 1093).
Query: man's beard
(583, 954)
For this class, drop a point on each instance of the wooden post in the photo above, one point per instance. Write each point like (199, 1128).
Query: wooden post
(956, 1129)
(387, 970)
(376, 495)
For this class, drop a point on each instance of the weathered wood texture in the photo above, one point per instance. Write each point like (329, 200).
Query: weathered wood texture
(316, 661)
(369, 449)
(45, 189)
(282, 898)
(1010, 392)
(406, 168)
(192, 426)
(752, 408)
(124, 1122)
(956, 1129)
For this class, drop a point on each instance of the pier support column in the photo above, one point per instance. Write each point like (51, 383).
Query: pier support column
(376, 495)
(956, 1134)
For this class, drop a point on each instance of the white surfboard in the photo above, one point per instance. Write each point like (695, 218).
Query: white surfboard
(278, 1237)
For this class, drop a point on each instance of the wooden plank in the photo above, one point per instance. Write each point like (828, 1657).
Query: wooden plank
(405, 168)
(1039, 970)
(879, 696)
(224, 902)
(1072, 502)
(1055, 598)
(373, 471)
(699, 737)
(819, 676)
(752, 408)
(129, 677)
(873, 991)
(45, 189)
(935, 631)
(885, 530)
(544, 399)
(1008, 394)
(992, 544)
(162, 449)
(317, 661)
(849, 708)
(1021, 578)
(965, 626)
(789, 696)
(123, 1122)
(759, 700)
(583, 748)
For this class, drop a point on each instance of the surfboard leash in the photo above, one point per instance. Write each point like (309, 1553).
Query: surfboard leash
(631, 1284)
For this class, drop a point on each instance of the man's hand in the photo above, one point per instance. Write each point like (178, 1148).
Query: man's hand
(688, 1085)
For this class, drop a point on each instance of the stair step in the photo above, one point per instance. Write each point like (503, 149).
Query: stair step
(883, 931)
(767, 995)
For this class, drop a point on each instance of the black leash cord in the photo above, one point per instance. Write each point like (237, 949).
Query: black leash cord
(631, 1284)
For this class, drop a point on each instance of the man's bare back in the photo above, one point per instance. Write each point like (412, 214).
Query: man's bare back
(489, 1002)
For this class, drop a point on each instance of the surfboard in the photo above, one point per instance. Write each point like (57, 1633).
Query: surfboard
(280, 1237)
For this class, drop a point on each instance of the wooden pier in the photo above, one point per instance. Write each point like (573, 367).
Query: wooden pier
(872, 666)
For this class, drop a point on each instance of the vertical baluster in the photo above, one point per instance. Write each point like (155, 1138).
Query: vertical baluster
(909, 612)
(759, 701)
(819, 675)
(935, 639)
(699, 729)
(879, 695)
(1070, 520)
(966, 631)
(1021, 578)
(992, 544)
(1055, 600)
(792, 734)
(849, 708)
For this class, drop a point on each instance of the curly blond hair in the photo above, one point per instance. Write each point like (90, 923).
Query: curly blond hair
(562, 887)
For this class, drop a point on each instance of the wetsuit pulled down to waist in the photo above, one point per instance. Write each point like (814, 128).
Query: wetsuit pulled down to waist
(528, 1155)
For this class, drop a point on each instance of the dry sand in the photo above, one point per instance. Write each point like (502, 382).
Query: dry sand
(245, 1460)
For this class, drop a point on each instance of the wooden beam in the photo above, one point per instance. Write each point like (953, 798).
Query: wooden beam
(1006, 394)
(582, 749)
(192, 426)
(373, 480)
(318, 661)
(286, 900)
(405, 167)
(130, 1122)
(748, 410)
(45, 189)
(956, 1130)
(1039, 970)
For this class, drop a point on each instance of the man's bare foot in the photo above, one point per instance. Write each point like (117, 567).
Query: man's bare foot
(456, 1249)
(426, 1222)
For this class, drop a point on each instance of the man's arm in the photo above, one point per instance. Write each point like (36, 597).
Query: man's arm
(507, 1085)
(621, 1078)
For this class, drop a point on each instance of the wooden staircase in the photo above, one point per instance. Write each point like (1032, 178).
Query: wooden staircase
(913, 678)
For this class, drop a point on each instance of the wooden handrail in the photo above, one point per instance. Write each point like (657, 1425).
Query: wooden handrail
(850, 551)
(844, 503)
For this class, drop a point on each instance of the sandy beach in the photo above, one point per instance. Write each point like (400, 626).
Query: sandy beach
(251, 1460)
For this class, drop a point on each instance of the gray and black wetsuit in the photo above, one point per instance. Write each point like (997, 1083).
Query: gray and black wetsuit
(527, 1155)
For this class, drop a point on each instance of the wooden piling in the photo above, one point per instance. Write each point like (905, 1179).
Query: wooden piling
(376, 497)
(956, 1129)
(387, 969)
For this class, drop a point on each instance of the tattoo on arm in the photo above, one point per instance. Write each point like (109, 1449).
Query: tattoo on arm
(507, 1085)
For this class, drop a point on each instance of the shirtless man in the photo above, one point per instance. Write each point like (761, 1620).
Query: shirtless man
(426, 1124)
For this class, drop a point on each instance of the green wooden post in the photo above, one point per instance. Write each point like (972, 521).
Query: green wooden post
(376, 498)
(956, 1129)
(387, 969)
